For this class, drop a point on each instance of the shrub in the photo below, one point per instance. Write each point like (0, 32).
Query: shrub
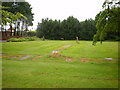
(31, 33)
(30, 38)
(14, 40)
(23, 39)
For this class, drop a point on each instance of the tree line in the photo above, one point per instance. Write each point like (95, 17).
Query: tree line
(68, 29)
(106, 26)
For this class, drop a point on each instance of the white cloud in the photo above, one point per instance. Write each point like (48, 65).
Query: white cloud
(61, 9)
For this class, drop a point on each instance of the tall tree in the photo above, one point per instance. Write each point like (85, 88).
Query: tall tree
(21, 7)
(107, 21)
(9, 17)
(88, 29)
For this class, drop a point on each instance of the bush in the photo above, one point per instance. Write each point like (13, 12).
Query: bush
(31, 33)
(22, 39)
(30, 38)
(15, 40)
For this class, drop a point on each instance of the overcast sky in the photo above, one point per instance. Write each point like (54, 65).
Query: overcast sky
(61, 9)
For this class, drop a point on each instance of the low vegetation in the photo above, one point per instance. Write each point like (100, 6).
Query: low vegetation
(23, 39)
(33, 65)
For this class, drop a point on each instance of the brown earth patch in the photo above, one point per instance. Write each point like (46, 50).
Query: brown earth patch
(67, 58)
(13, 56)
(85, 60)
(0, 56)
(16, 56)
(6, 56)
(36, 57)
(19, 55)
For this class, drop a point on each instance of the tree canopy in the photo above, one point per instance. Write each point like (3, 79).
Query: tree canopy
(9, 17)
(108, 22)
(68, 29)
(22, 7)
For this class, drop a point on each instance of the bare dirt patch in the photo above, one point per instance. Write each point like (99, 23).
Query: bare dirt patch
(36, 57)
(67, 58)
(20, 57)
(57, 55)
(85, 60)
(0, 56)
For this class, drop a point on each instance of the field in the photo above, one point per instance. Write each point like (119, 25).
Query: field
(33, 65)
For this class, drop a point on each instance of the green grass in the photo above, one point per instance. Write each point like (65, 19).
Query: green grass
(33, 47)
(0, 66)
(56, 72)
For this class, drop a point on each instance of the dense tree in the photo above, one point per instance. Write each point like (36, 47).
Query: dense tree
(68, 29)
(88, 29)
(107, 22)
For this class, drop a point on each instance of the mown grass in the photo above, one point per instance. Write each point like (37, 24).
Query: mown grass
(0, 66)
(33, 47)
(56, 72)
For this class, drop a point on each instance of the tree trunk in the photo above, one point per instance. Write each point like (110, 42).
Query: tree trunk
(15, 29)
(18, 29)
(10, 30)
(22, 28)
(5, 31)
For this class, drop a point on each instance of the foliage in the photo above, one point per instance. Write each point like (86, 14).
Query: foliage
(3, 7)
(107, 21)
(31, 33)
(22, 39)
(88, 29)
(16, 40)
(68, 29)
(9, 17)
(22, 7)
(31, 38)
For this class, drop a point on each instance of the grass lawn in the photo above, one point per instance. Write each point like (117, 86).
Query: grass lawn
(78, 66)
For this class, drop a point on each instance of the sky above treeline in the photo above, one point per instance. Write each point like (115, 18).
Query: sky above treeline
(61, 9)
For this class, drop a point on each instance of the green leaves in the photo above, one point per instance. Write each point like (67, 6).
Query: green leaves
(22, 7)
(3, 7)
(9, 17)
(19, 15)
(107, 22)
(68, 29)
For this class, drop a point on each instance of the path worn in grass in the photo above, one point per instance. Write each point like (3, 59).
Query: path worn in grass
(63, 47)
(67, 58)
(24, 57)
